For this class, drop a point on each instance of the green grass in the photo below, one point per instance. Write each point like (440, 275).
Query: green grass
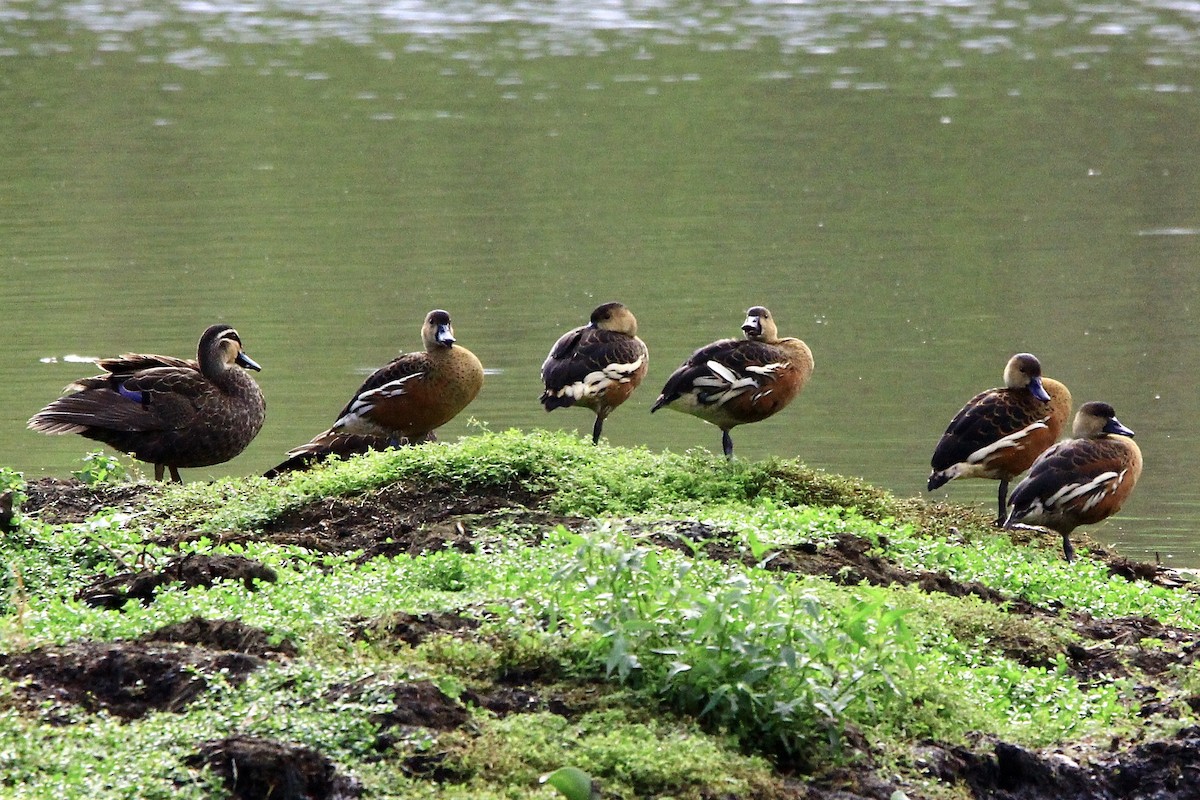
(712, 669)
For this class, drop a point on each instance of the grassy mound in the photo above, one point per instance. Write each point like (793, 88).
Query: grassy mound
(457, 619)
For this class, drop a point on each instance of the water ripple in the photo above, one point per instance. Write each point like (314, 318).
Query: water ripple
(567, 27)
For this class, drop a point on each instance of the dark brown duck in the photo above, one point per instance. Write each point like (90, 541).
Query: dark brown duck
(170, 412)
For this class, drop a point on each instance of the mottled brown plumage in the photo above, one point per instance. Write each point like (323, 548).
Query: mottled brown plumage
(402, 402)
(732, 382)
(170, 412)
(1000, 432)
(1080, 481)
(597, 365)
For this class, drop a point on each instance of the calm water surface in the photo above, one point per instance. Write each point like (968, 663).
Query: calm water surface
(918, 190)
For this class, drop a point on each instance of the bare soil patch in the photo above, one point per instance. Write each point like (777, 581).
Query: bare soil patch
(399, 519)
(186, 572)
(223, 634)
(127, 679)
(163, 670)
(1162, 770)
(412, 629)
(65, 500)
(263, 769)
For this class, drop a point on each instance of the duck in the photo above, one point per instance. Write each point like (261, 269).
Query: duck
(1000, 432)
(732, 382)
(402, 402)
(1080, 481)
(597, 365)
(170, 412)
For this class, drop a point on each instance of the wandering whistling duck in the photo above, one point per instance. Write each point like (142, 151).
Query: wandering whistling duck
(1080, 481)
(597, 365)
(735, 381)
(1000, 432)
(402, 402)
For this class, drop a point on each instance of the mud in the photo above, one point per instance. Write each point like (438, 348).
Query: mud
(126, 679)
(185, 572)
(63, 500)
(163, 670)
(263, 769)
(1163, 770)
(399, 520)
(848, 561)
(412, 629)
(224, 634)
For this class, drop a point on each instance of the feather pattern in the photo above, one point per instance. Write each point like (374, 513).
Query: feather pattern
(167, 411)
(1080, 481)
(596, 366)
(732, 382)
(402, 402)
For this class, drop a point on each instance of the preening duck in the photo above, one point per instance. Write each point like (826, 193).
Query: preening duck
(166, 411)
(402, 402)
(1080, 481)
(732, 382)
(1000, 432)
(597, 365)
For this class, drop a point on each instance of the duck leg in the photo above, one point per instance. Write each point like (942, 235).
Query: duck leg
(1002, 499)
(175, 475)
(597, 428)
(1068, 548)
(159, 469)
(727, 444)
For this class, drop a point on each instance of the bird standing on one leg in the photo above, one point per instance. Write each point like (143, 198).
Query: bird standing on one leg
(1080, 481)
(170, 412)
(597, 365)
(402, 402)
(736, 381)
(1000, 432)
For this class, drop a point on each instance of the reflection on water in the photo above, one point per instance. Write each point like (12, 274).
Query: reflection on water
(1080, 32)
(916, 190)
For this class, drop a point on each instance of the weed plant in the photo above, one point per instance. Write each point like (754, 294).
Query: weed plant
(714, 667)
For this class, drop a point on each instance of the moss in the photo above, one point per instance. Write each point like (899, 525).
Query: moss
(632, 757)
(676, 642)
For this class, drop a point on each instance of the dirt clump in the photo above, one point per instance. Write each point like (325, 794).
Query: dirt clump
(412, 629)
(421, 705)
(415, 706)
(848, 561)
(397, 519)
(126, 679)
(1163, 770)
(223, 634)
(61, 501)
(263, 769)
(186, 571)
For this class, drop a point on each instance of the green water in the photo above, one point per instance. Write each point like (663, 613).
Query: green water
(916, 191)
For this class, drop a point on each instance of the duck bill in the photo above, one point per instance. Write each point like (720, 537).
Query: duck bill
(1039, 391)
(248, 362)
(445, 335)
(1114, 426)
(752, 326)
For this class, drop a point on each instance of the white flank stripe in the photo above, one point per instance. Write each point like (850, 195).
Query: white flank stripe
(1005, 442)
(768, 369)
(622, 372)
(1073, 491)
(390, 389)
